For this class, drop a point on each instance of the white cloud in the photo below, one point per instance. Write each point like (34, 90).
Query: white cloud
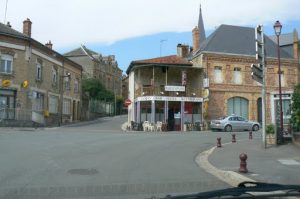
(69, 22)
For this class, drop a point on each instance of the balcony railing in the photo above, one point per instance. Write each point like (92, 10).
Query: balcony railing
(160, 91)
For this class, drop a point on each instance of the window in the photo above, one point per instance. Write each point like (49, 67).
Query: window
(67, 80)
(38, 71)
(218, 74)
(6, 64)
(76, 85)
(66, 107)
(54, 75)
(53, 104)
(37, 101)
(282, 78)
(238, 106)
(237, 77)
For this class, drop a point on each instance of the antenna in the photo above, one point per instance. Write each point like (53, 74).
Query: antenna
(161, 43)
(5, 12)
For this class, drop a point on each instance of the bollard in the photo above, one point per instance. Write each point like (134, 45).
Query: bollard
(219, 142)
(250, 135)
(233, 138)
(243, 163)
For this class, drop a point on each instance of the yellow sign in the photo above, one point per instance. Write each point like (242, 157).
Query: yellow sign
(46, 113)
(6, 83)
(25, 84)
(206, 93)
(205, 106)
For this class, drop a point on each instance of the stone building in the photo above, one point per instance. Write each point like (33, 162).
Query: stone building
(125, 83)
(38, 85)
(225, 58)
(165, 89)
(97, 66)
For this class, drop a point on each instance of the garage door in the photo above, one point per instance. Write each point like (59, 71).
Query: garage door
(238, 106)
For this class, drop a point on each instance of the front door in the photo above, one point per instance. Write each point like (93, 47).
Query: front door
(7, 107)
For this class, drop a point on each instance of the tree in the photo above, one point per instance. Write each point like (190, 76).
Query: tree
(96, 90)
(295, 107)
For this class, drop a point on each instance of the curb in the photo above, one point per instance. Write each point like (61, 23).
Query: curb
(230, 177)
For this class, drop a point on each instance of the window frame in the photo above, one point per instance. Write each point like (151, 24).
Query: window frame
(239, 80)
(216, 80)
(38, 67)
(6, 58)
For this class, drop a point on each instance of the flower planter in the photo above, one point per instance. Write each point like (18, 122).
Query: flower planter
(270, 139)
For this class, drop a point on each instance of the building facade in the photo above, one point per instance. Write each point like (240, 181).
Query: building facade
(165, 89)
(38, 85)
(104, 68)
(226, 57)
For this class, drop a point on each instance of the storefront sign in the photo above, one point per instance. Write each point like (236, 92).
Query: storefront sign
(175, 88)
(6, 83)
(166, 98)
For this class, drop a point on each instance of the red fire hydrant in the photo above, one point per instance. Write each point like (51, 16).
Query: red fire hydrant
(243, 163)
(233, 138)
(250, 135)
(219, 142)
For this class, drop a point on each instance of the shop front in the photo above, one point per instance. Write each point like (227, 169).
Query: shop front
(172, 111)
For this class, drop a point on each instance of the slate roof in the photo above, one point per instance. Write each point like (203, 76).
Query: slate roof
(167, 60)
(237, 40)
(80, 52)
(201, 27)
(284, 39)
(4, 29)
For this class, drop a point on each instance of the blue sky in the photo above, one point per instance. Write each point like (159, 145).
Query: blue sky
(132, 29)
(148, 46)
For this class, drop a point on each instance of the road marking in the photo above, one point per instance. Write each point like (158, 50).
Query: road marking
(289, 162)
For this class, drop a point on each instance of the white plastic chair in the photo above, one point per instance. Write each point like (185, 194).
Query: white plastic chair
(159, 126)
(145, 126)
(151, 127)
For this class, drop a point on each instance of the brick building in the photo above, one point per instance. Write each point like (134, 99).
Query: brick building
(38, 85)
(100, 67)
(225, 58)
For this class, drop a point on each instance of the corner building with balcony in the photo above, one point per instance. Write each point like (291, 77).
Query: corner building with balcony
(166, 89)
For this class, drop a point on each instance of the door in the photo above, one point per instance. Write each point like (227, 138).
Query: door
(238, 106)
(3, 107)
(243, 124)
(234, 122)
(259, 110)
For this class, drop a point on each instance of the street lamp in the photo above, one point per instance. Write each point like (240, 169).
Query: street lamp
(277, 28)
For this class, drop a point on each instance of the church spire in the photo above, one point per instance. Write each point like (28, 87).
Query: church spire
(201, 27)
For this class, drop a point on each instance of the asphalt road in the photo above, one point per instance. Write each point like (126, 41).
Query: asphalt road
(98, 159)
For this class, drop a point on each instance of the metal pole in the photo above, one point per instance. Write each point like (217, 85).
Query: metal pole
(280, 96)
(263, 91)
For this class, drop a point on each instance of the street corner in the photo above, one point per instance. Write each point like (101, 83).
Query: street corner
(227, 174)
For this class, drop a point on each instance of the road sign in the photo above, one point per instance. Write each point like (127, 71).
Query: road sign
(257, 73)
(127, 102)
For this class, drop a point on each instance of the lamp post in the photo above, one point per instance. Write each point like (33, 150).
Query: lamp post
(277, 28)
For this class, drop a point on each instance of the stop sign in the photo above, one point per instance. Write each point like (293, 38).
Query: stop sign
(127, 102)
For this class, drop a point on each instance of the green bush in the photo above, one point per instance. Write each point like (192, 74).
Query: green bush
(295, 107)
(270, 129)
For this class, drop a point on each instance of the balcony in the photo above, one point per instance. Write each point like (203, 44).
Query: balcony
(160, 91)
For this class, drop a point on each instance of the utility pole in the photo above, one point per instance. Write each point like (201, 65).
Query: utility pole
(259, 74)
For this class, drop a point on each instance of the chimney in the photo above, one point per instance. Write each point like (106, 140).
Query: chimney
(295, 44)
(27, 27)
(8, 24)
(182, 50)
(196, 39)
(49, 44)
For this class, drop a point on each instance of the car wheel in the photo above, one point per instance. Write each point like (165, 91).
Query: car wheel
(255, 127)
(228, 128)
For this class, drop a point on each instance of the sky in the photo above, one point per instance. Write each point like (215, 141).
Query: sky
(134, 29)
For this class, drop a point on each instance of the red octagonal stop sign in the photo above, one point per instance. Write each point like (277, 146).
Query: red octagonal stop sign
(127, 102)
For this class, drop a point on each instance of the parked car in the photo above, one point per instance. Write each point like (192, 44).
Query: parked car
(234, 123)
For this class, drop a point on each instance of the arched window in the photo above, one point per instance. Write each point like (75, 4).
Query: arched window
(238, 106)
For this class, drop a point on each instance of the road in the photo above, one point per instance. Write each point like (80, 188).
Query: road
(98, 159)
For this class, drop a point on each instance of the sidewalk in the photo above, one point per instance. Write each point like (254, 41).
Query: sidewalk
(273, 165)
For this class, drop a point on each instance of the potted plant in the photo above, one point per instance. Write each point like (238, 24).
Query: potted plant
(270, 131)
(295, 118)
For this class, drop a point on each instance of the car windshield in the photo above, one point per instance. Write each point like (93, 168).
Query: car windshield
(147, 98)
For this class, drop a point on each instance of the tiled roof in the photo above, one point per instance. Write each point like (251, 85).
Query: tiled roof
(237, 40)
(167, 60)
(172, 59)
